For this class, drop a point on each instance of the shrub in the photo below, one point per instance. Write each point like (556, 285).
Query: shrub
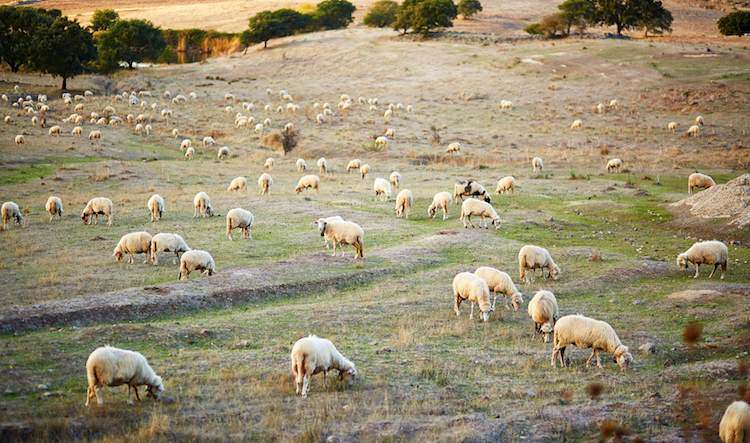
(534, 29)
(735, 23)
(467, 8)
(381, 14)
(168, 55)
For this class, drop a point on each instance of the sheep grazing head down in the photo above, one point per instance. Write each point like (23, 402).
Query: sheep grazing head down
(554, 272)
(487, 199)
(348, 374)
(547, 331)
(85, 217)
(516, 300)
(682, 261)
(117, 255)
(623, 357)
(154, 391)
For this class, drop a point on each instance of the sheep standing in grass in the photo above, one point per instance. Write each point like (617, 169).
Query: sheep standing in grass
(453, 148)
(155, 206)
(54, 207)
(131, 244)
(364, 170)
(308, 182)
(242, 219)
(614, 165)
(223, 153)
(381, 141)
(506, 184)
(55, 130)
(268, 165)
(537, 164)
(301, 165)
(196, 260)
(353, 165)
(189, 153)
(20, 139)
(532, 257)
(577, 124)
(166, 242)
(202, 205)
(343, 233)
(95, 135)
(544, 312)
(472, 206)
(95, 207)
(506, 104)
(467, 286)
(265, 181)
(584, 333)
(108, 366)
(672, 126)
(395, 179)
(208, 141)
(404, 202)
(76, 132)
(694, 131)
(711, 252)
(699, 120)
(696, 180)
(322, 166)
(735, 424)
(382, 189)
(441, 200)
(237, 184)
(10, 211)
(312, 355)
(500, 282)
(187, 143)
(320, 226)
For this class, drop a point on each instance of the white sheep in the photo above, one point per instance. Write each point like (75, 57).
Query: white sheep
(613, 104)
(404, 202)
(382, 189)
(577, 124)
(535, 257)
(537, 164)
(34, 120)
(95, 135)
(208, 141)
(54, 207)
(699, 120)
(506, 104)
(308, 182)
(175, 132)
(237, 184)
(453, 148)
(735, 423)
(600, 108)
(506, 184)
(694, 131)
(108, 366)
(390, 133)
(202, 205)
(584, 332)
(131, 244)
(189, 153)
(312, 355)
(322, 165)
(381, 141)
(672, 126)
(20, 139)
(353, 165)
(167, 242)
(196, 260)
(364, 170)
(472, 206)
(467, 286)
(614, 165)
(155, 207)
(259, 128)
(242, 219)
(711, 252)
(544, 312)
(388, 115)
(55, 130)
(223, 153)
(441, 200)
(187, 143)
(95, 207)
(10, 211)
(395, 179)
(301, 165)
(265, 181)
(696, 180)
(319, 222)
(344, 233)
(268, 164)
(76, 131)
(500, 282)
(8, 119)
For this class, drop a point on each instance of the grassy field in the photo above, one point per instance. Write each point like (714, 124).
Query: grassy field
(424, 374)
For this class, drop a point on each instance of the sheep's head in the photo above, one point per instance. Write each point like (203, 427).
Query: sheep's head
(348, 374)
(516, 300)
(623, 357)
(547, 331)
(85, 217)
(322, 226)
(431, 211)
(496, 222)
(682, 261)
(209, 210)
(487, 198)
(554, 272)
(117, 254)
(154, 391)
(486, 315)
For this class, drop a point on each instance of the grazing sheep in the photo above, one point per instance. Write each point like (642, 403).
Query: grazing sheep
(389, 133)
(155, 206)
(364, 170)
(699, 120)
(20, 139)
(614, 165)
(238, 184)
(535, 257)
(472, 206)
(696, 180)
(311, 355)
(544, 312)
(268, 164)
(584, 332)
(265, 181)
(506, 104)
(10, 211)
(34, 120)
(343, 233)
(202, 205)
(223, 153)
(537, 164)
(404, 202)
(694, 131)
(577, 124)
(189, 153)
(453, 148)
(322, 165)
(467, 286)
(506, 184)
(469, 188)
(76, 132)
(98, 206)
(108, 366)
(175, 132)
(166, 242)
(613, 104)
(196, 260)
(301, 165)
(735, 424)
(500, 282)
(672, 126)
(600, 108)
(382, 189)
(395, 179)
(388, 115)
(441, 200)
(54, 207)
(711, 252)
(186, 144)
(239, 218)
(95, 135)
(308, 182)
(327, 219)
(8, 119)
(55, 130)
(131, 244)
(208, 141)
(353, 165)
(381, 141)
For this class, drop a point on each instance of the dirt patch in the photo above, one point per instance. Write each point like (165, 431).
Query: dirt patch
(692, 295)
(730, 201)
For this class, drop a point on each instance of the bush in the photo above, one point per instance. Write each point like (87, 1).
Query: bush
(534, 29)
(551, 26)
(423, 16)
(381, 14)
(735, 23)
(333, 14)
(467, 8)
(578, 13)
(168, 55)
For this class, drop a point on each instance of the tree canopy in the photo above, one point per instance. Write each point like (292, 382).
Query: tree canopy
(267, 25)
(333, 14)
(381, 14)
(468, 8)
(103, 19)
(19, 30)
(131, 41)
(736, 23)
(424, 16)
(63, 49)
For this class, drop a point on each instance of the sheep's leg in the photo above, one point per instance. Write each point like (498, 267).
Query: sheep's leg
(99, 394)
(456, 305)
(471, 313)
(445, 214)
(325, 379)
(598, 362)
(591, 357)
(723, 269)
(697, 270)
(561, 354)
(137, 396)
(305, 385)
(716, 266)
(130, 399)
(494, 300)
(555, 351)
(90, 393)
(334, 249)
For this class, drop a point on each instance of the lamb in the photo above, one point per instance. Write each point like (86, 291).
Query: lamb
(155, 206)
(382, 189)
(301, 165)
(311, 355)
(404, 202)
(20, 139)
(109, 366)
(472, 206)
(696, 180)
(467, 286)
(470, 188)
(584, 332)
(344, 233)
(672, 126)
(265, 181)
(577, 124)
(364, 170)
(223, 153)
(535, 257)
(9, 211)
(711, 252)
(202, 205)
(506, 184)
(54, 207)
(239, 218)
(327, 219)
(395, 179)
(353, 165)
(694, 131)
(95, 135)
(196, 260)
(699, 120)
(441, 200)
(76, 132)
(308, 182)
(500, 282)
(544, 312)
(55, 130)
(735, 424)
(537, 164)
(453, 148)
(95, 207)
(208, 141)
(268, 164)
(186, 144)
(166, 242)
(189, 153)
(131, 244)
(614, 165)
(237, 184)
(322, 165)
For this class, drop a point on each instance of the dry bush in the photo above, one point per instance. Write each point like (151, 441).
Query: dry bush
(692, 332)
(594, 390)
(604, 149)
(283, 141)
(612, 429)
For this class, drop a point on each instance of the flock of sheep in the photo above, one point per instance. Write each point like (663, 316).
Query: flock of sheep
(108, 366)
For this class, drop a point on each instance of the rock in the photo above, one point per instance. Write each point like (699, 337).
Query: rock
(52, 394)
(637, 302)
(648, 348)
(242, 344)
(42, 387)
(206, 332)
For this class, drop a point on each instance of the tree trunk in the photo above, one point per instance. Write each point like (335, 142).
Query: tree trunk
(130, 64)
(14, 68)
(65, 83)
(265, 44)
(619, 29)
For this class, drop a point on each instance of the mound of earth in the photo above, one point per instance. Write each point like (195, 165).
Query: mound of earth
(730, 200)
